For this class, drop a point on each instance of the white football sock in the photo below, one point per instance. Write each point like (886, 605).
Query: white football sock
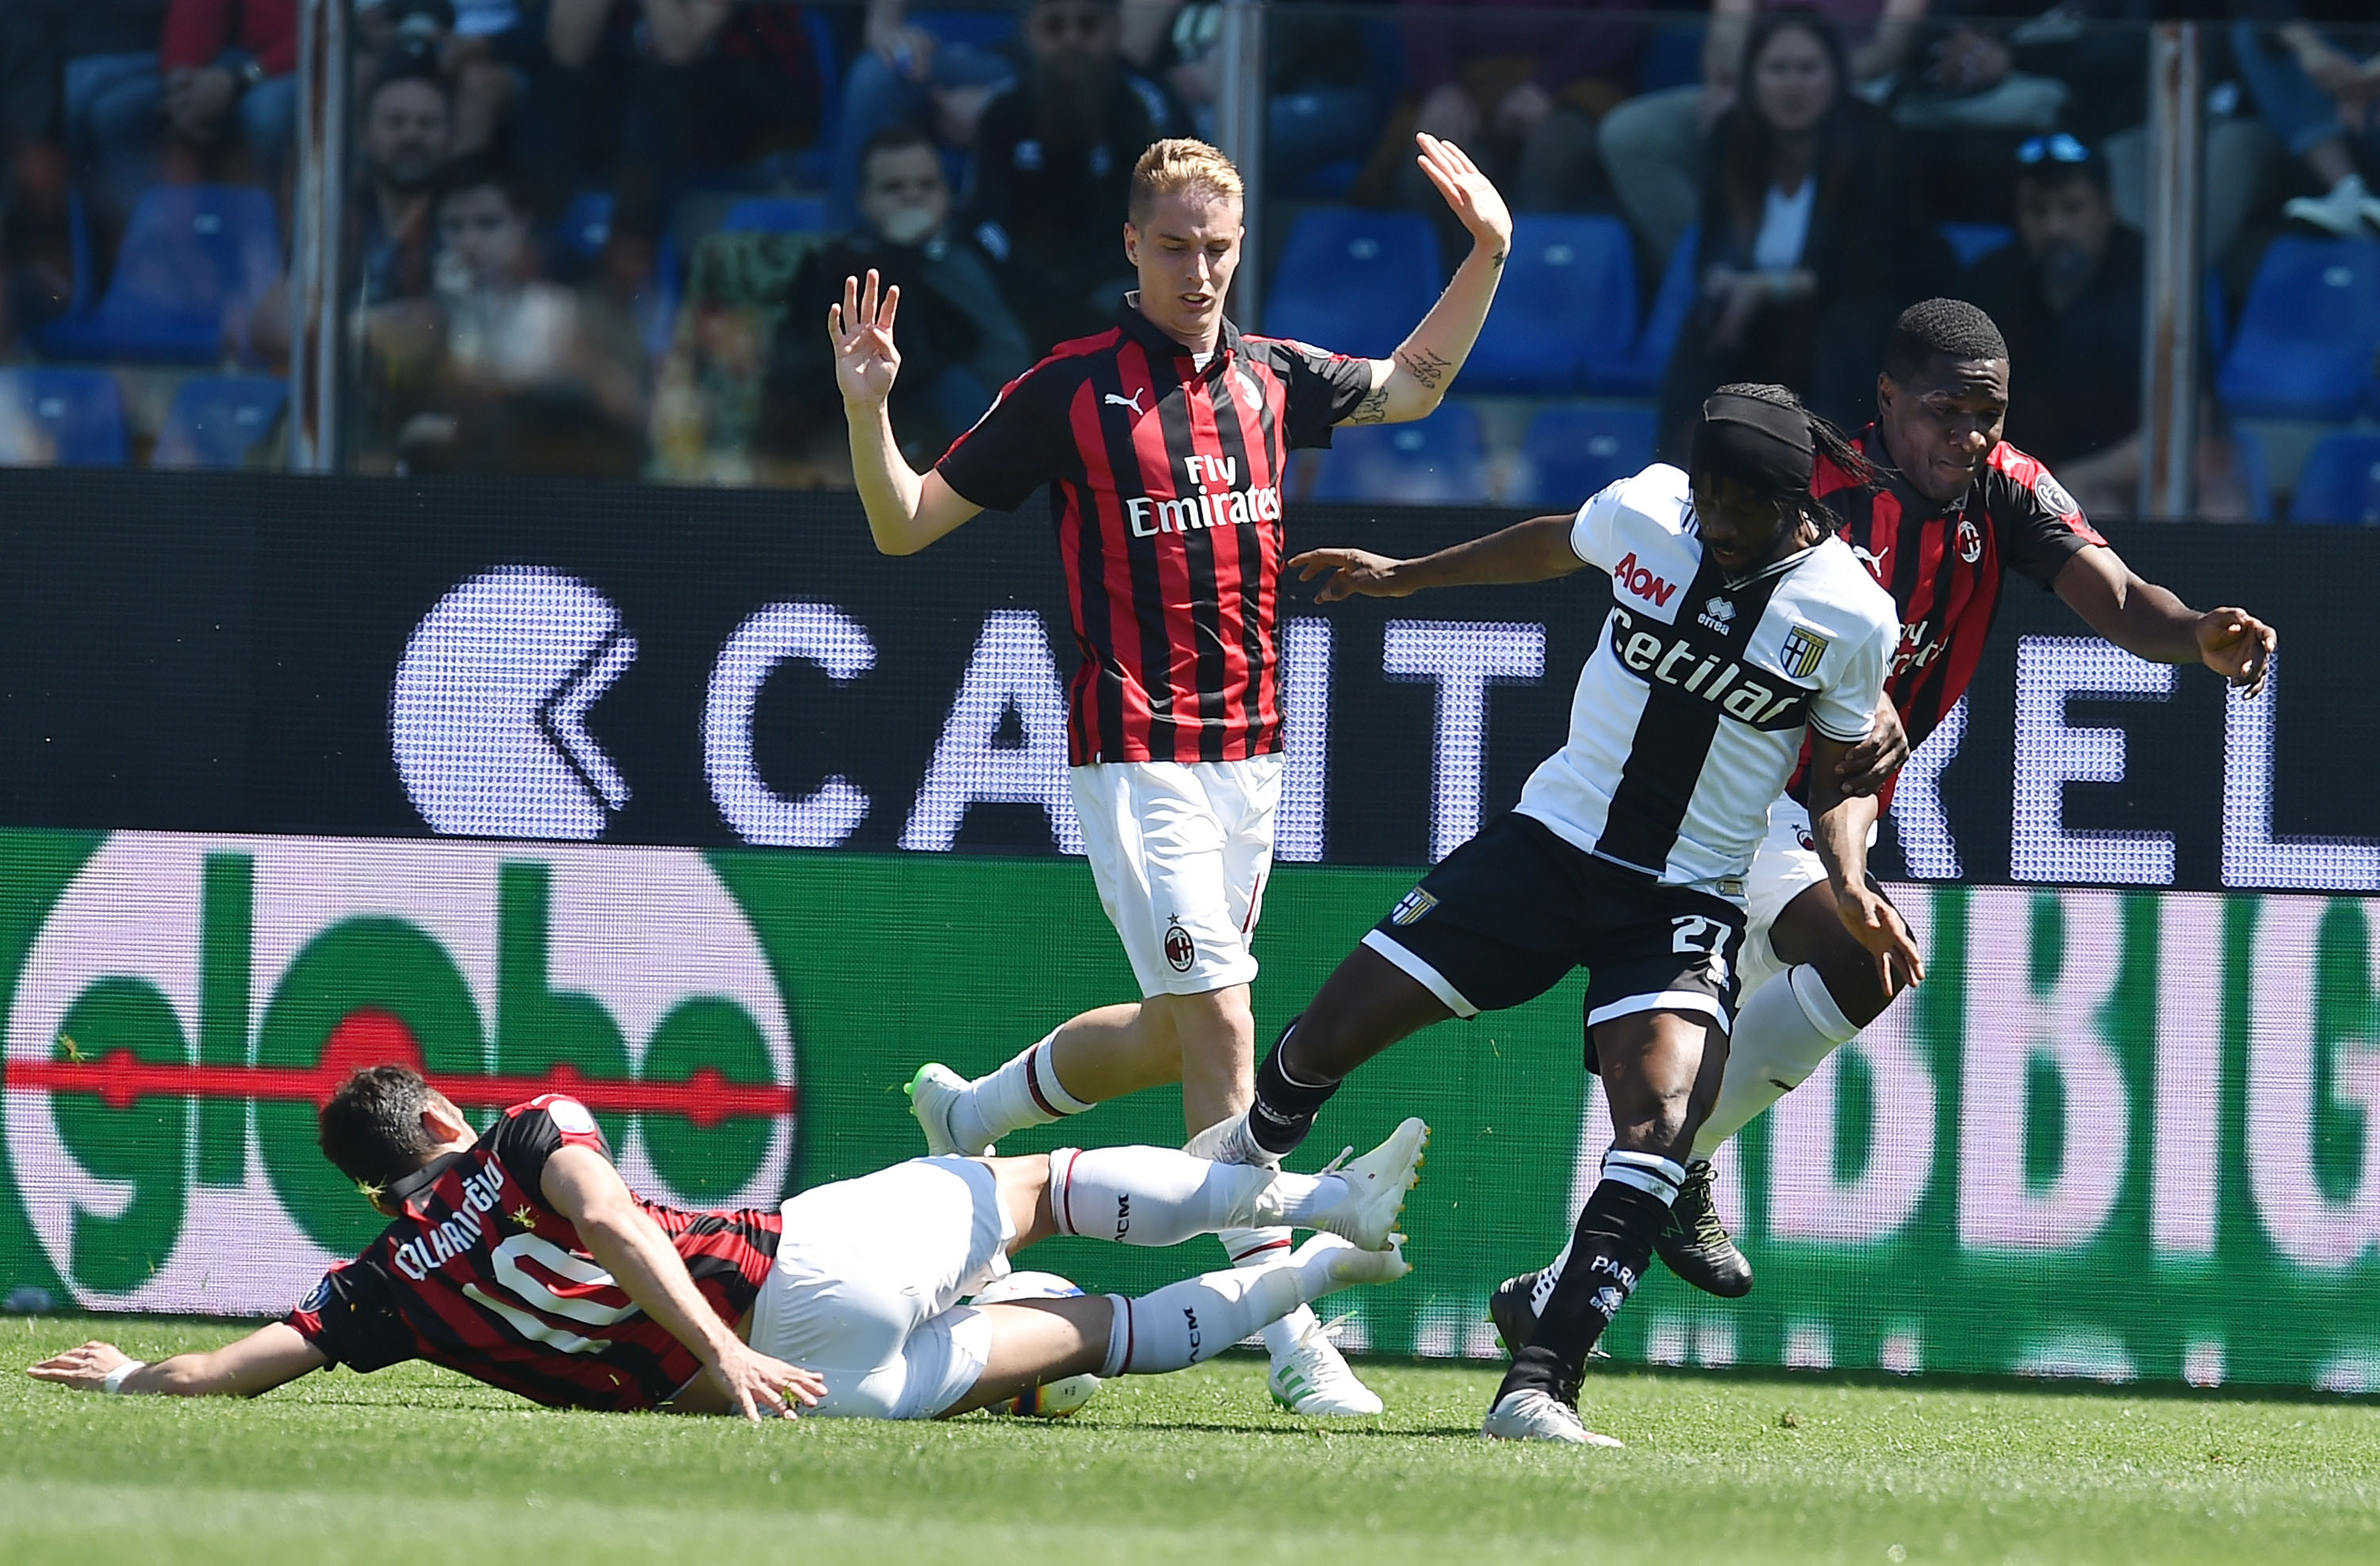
(1025, 1092)
(1784, 1031)
(1157, 1196)
(1262, 1247)
(1188, 1323)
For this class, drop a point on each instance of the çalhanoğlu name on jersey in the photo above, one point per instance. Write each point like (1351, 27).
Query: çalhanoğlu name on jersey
(1690, 713)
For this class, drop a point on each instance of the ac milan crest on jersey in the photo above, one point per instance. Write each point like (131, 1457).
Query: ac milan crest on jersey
(1180, 950)
(1945, 565)
(1165, 484)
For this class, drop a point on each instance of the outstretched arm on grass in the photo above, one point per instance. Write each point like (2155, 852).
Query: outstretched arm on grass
(258, 1363)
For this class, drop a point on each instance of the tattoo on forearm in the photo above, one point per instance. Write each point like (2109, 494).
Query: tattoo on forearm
(1427, 369)
(1496, 260)
(1374, 408)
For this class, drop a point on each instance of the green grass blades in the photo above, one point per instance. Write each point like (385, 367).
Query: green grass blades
(415, 1464)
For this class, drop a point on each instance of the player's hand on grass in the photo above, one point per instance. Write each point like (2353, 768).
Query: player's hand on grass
(757, 1385)
(1869, 765)
(1352, 573)
(866, 362)
(1471, 194)
(2237, 646)
(1878, 926)
(85, 1368)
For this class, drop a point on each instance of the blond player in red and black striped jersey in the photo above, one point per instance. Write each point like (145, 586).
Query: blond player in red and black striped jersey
(1163, 443)
(520, 1258)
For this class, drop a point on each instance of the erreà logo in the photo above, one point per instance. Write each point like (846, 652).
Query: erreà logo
(187, 1002)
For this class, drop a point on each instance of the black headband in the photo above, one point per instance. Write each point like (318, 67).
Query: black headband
(1764, 445)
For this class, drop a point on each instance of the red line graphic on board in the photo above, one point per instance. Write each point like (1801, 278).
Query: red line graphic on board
(364, 1039)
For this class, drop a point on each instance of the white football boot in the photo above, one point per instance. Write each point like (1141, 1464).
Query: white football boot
(932, 1092)
(1528, 1414)
(1375, 1183)
(1314, 1379)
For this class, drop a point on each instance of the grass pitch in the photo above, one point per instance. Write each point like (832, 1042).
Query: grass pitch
(416, 1465)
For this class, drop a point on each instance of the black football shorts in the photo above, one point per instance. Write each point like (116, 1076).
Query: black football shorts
(1507, 916)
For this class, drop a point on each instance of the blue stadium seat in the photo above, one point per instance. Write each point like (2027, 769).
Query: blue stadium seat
(1354, 282)
(1436, 460)
(2302, 348)
(776, 214)
(585, 225)
(982, 30)
(218, 421)
(1648, 361)
(1571, 453)
(1971, 242)
(2340, 481)
(70, 418)
(195, 258)
(1566, 311)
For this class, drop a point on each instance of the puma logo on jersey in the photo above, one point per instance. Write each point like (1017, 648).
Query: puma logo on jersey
(1638, 582)
(1749, 695)
(1876, 561)
(1132, 402)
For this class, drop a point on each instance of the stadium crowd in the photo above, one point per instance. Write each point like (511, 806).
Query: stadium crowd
(598, 236)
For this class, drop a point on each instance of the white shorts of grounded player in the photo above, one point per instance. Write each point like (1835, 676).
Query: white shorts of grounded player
(869, 1279)
(1785, 866)
(1180, 851)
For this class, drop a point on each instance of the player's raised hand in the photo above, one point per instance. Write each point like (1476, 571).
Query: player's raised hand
(1472, 196)
(866, 362)
(2237, 646)
(84, 1368)
(1878, 926)
(1352, 573)
(756, 1385)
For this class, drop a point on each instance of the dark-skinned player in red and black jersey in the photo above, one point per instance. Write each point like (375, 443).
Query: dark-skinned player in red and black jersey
(1163, 443)
(1958, 509)
(520, 1258)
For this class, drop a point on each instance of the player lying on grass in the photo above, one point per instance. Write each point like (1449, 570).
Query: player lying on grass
(520, 1258)
(1739, 625)
(1163, 443)
(1953, 511)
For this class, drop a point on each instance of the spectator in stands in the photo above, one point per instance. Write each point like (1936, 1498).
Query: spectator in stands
(1652, 145)
(523, 381)
(1519, 86)
(222, 76)
(676, 87)
(908, 76)
(1323, 105)
(403, 123)
(1053, 164)
(959, 341)
(2068, 298)
(1809, 243)
(2320, 100)
(481, 48)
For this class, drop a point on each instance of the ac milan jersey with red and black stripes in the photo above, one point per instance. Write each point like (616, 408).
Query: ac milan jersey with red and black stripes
(481, 1276)
(1945, 565)
(1165, 489)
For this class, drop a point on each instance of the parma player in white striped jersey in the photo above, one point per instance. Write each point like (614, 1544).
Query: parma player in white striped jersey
(1740, 624)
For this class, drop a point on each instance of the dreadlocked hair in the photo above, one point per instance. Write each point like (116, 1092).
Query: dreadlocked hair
(1831, 444)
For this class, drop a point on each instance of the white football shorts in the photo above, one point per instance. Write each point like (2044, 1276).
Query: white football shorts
(869, 1279)
(1180, 851)
(1785, 866)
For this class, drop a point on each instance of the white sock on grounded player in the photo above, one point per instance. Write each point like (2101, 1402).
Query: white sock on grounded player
(1188, 1323)
(1250, 1248)
(1157, 1196)
(1784, 1031)
(1024, 1093)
